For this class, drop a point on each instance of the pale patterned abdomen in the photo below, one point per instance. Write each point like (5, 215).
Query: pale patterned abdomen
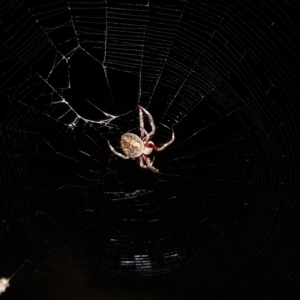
(132, 145)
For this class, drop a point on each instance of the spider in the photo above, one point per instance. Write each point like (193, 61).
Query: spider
(134, 146)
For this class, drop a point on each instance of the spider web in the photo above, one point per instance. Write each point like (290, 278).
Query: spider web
(222, 216)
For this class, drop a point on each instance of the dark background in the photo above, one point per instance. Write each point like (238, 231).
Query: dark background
(220, 220)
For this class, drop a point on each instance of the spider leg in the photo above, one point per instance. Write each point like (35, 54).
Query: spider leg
(164, 146)
(150, 144)
(149, 163)
(145, 138)
(117, 153)
(151, 121)
(142, 127)
(142, 163)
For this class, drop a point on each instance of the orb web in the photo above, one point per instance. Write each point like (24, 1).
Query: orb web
(220, 218)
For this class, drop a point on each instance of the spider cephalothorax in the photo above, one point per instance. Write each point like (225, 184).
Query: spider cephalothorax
(134, 146)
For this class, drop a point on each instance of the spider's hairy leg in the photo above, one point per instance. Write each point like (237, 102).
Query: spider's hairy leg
(149, 164)
(142, 163)
(151, 121)
(117, 153)
(150, 144)
(164, 146)
(144, 133)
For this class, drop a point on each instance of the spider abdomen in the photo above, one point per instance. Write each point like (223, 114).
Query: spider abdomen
(132, 145)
